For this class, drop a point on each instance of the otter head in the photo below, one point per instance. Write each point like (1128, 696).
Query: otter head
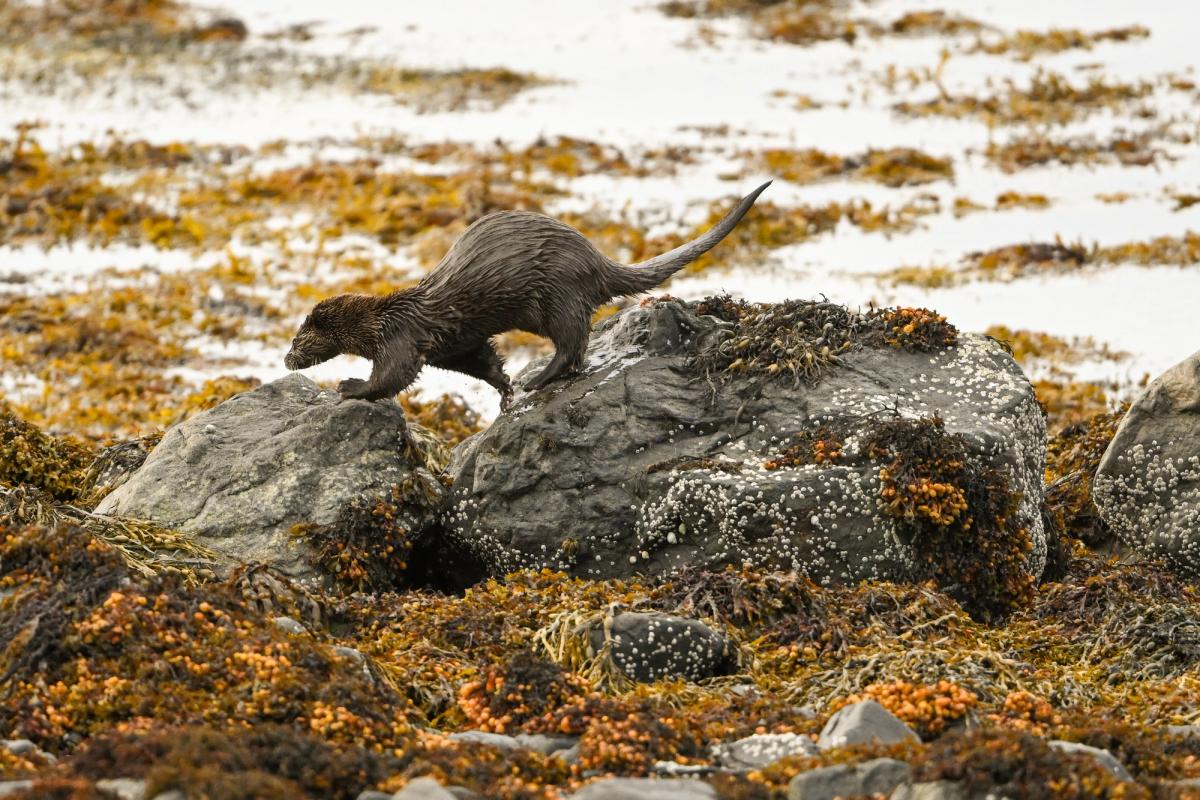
(343, 324)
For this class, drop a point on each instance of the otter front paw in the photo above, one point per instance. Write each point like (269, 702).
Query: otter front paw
(353, 389)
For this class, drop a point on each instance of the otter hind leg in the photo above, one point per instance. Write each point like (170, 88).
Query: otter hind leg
(484, 363)
(570, 344)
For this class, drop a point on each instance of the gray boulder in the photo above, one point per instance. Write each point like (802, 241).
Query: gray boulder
(1102, 757)
(12, 787)
(239, 476)
(649, 646)
(1147, 487)
(646, 789)
(864, 723)
(642, 464)
(877, 776)
(757, 751)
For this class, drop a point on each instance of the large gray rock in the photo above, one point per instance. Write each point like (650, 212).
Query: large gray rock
(762, 749)
(877, 776)
(641, 464)
(864, 723)
(1147, 487)
(649, 646)
(241, 475)
(646, 789)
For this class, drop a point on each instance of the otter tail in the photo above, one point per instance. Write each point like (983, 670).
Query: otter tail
(643, 276)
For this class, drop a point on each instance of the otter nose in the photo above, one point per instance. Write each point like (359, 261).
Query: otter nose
(290, 361)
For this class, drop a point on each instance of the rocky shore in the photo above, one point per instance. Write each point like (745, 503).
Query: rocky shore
(752, 551)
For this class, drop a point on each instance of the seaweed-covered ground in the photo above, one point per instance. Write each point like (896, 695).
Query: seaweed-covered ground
(178, 184)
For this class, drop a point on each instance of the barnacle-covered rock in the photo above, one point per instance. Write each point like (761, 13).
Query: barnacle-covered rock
(761, 749)
(1148, 484)
(718, 433)
(241, 476)
(648, 647)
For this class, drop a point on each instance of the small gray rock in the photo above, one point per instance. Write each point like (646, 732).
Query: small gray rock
(371, 794)
(124, 788)
(27, 749)
(546, 745)
(569, 756)
(1105, 758)
(12, 787)
(649, 646)
(175, 794)
(483, 737)
(646, 789)
(863, 723)
(463, 793)
(877, 776)
(762, 749)
(351, 653)
(423, 789)
(1184, 731)
(288, 625)
(931, 790)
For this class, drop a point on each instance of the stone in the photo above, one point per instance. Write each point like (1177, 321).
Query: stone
(124, 788)
(423, 789)
(864, 723)
(288, 625)
(1147, 487)
(929, 790)
(12, 787)
(371, 794)
(646, 789)
(27, 749)
(642, 465)
(463, 793)
(877, 776)
(239, 476)
(1184, 731)
(175, 794)
(546, 745)
(762, 749)
(491, 739)
(570, 756)
(1103, 757)
(650, 646)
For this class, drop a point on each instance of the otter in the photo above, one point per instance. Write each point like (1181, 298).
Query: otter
(512, 270)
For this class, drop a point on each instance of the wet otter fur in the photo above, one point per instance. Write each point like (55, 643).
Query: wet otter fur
(510, 270)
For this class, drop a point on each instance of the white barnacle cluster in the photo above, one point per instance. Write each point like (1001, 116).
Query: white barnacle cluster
(1152, 502)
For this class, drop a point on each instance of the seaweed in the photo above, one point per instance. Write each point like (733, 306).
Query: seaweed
(800, 339)
(1018, 764)
(29, 456)
(958, 516)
